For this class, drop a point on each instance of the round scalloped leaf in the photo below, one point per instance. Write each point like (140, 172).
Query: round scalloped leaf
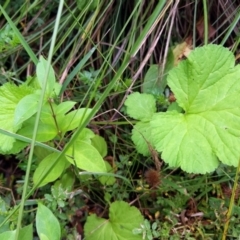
(122, 220)
(140, 106)
(207, 87)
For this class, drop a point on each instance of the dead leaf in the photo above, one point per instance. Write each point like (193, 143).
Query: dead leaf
(200, 29)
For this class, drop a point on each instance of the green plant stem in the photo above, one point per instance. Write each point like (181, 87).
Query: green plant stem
(231, 204)
(205, 22)
(37, 120)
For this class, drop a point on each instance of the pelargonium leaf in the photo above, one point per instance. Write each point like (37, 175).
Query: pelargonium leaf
(207, 87)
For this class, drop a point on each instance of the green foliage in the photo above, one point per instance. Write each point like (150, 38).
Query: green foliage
(47, 224)
(18, 114)
(91, 5)
(148, 232)
(8, 38)
(45, 166)
(41, 75)
(82, 154)
(155, 80)
(122, 220)
(24, 233)
(143, 109)
(100, 144)
(10, 96)
(207, 88)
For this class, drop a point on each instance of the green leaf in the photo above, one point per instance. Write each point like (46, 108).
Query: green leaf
(140, 106)
(64, 107)
(141, 136)
(25, 233)
(26, 107)
(67, 180)
(86, 157)
(122, 220)
(45, 165)
(86, 135)
(47, 224)
(41, 75)
(207, 87)
(105, 179)
(73, 119)
(10, 95)
(46, 129)
(155, 80)
(100, 144)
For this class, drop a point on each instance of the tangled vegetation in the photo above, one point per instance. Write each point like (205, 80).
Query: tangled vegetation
(119, 120)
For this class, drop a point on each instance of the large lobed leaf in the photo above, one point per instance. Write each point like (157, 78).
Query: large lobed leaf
(207, 87)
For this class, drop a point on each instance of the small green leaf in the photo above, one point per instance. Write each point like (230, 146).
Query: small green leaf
(107, 180)
(64, 107)
(122, 220)
(86, 157)
(100, 144)
(141, 106)
(207, 87)
(155, 80)
(47, 224)
(46, 130)
(73, 119)
(45, 165)
(41, 75)
(67, 180)
(86, 135)
(26, 108)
